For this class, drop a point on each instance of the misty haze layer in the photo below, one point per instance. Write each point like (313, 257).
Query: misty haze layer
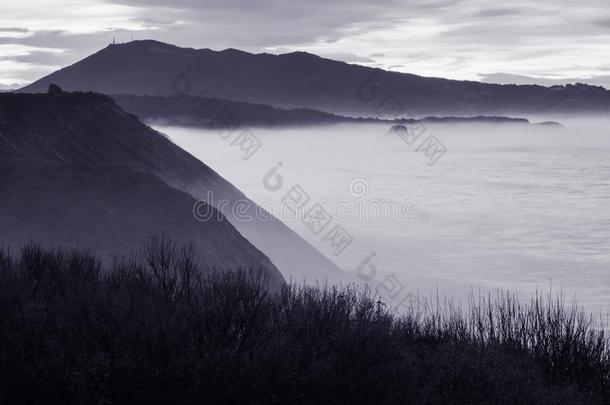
(506, 206)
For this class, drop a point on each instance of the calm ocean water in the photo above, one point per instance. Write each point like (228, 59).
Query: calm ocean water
(511, 207)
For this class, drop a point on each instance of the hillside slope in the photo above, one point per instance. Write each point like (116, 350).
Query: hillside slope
(76, 129)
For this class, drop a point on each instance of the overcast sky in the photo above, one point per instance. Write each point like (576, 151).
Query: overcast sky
(460, 39)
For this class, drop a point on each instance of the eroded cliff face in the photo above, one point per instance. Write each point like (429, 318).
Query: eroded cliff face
(77, 171)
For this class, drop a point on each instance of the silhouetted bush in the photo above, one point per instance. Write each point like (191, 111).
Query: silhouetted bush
(161, 328)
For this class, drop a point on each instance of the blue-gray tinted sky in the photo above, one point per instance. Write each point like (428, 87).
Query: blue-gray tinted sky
(461, 39)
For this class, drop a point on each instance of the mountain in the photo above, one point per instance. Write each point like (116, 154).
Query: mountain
(303, 80)
(75, 167)
(507, 78)
(186, 110)
(204, 112)
(112, 210)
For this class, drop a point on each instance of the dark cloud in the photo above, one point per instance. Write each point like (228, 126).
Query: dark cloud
(37, 58)
(59, 39)
(14, 30)
(604, 22)
(433, 5)
(498, 12)
(265, 23)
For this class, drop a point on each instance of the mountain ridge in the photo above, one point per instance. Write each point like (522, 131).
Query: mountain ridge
(302, 80)
(202, 112)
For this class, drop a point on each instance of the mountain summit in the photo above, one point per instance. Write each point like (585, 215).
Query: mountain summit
(300, 79)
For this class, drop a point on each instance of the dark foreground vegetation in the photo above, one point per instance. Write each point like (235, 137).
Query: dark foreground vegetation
(158, 328)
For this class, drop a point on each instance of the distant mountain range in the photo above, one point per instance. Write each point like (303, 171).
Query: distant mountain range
(77, 170)
(507, 78)
(4, 88)
(206, 112)
(303, 80)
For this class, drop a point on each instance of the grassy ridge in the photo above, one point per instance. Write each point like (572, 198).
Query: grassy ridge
(159, 327)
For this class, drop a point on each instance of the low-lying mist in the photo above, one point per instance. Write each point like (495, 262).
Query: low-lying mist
(445, 207)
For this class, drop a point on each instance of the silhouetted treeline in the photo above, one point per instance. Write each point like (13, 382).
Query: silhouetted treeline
(160, 328)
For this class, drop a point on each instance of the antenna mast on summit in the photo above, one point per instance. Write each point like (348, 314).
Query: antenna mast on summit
(113, 41)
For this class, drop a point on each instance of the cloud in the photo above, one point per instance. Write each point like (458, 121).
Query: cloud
(260, 24)
(8, 87)
(13, 30)
(41, 57)
(604, 22)
(449, 38)
(349, 58)
(498, 12)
